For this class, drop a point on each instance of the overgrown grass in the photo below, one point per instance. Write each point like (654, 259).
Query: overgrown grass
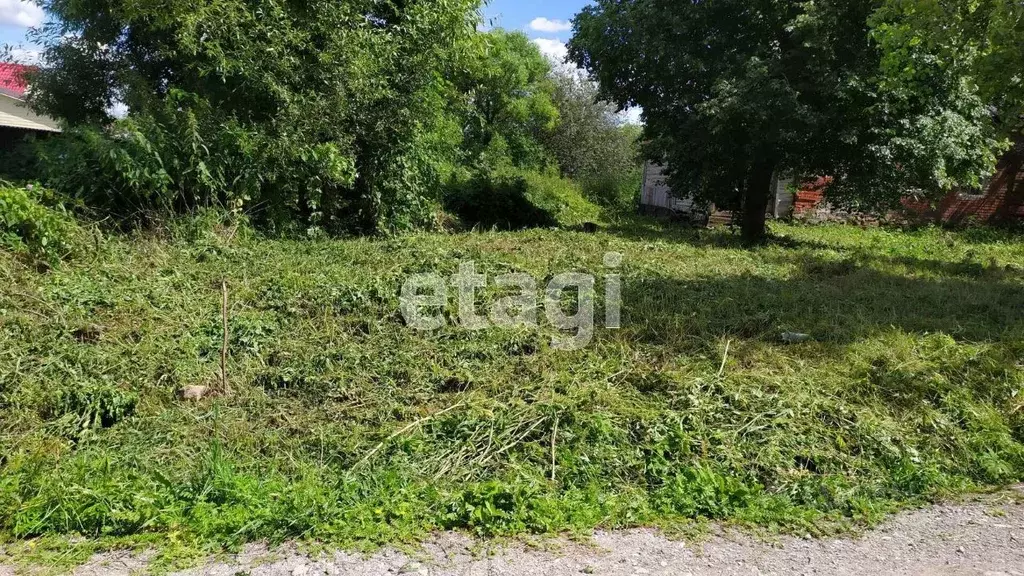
(346, 426)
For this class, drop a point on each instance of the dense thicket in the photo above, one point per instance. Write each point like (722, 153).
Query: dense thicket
(592, 144)
(355, 116)
(329, 114)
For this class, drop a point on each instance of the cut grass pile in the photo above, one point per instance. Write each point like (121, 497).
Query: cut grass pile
(346, 426)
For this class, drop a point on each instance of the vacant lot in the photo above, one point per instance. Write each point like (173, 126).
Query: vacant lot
(345, 425)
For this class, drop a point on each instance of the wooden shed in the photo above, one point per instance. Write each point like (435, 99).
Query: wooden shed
(658, 199)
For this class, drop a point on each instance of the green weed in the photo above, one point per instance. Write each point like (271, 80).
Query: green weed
(347, 427)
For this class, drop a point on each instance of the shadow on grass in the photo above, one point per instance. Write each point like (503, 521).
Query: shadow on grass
(836, 301)
(646, 229)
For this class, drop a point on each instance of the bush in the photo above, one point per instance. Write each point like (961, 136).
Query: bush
(514, 200)
(27, 226)
(150, 169)
(118, 174)
(617, 191)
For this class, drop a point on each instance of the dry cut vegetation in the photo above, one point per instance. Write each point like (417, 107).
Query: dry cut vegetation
(345, 426)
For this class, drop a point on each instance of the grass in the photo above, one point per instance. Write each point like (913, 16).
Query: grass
(347, 427)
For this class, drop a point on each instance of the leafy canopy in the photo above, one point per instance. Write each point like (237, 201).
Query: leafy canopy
(329, 113)
(736, 90)
(508, 96)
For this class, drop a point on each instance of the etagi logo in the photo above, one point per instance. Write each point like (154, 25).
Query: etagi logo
(425, 296)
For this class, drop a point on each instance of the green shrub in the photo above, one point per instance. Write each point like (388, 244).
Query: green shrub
(28, 226)
(700, 491)
(514, 200)
(120, 175)
(618, 191)
(77, 411)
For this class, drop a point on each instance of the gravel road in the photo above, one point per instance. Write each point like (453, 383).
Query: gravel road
(982, 538)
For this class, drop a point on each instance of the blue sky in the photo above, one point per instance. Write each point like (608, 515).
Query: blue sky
(15, 18)
(519, 14)
(546, 21)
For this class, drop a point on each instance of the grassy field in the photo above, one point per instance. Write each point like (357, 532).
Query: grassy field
(346, 426)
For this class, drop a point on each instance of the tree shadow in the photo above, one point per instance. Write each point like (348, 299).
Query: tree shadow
(834, 301)
(501, 204)
(651, 230)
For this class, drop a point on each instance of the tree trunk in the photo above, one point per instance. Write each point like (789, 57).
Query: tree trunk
(755, 202)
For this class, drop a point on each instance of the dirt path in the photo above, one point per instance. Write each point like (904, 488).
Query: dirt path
(983, 538)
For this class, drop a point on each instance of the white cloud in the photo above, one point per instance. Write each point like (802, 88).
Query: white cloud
(550, 26)
(24, 56)
(20, 13)
(554, 49)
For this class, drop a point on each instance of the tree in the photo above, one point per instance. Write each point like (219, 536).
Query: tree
(591, 144)
(508, 106)
(982, 40)
(735, 91)
(332, 114)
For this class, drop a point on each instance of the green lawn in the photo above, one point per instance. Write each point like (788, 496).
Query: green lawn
(347, 426)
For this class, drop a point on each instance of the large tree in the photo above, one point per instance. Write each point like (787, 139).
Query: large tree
(331, 112)
(591, 138)
(592, 144)
(735, 91)
(507, 100)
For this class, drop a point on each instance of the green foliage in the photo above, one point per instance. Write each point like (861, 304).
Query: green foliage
(29, 226)
(909, 389)
(356, 135)
(516, 199)
(313, 115)
(980, 40)
(80, 410)
(733, 91)
(121, 175)
(592, 146)
(509, 104)
(700, 492)
(618, 191)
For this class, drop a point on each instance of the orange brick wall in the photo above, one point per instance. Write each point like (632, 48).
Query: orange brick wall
(1002, 201)
(809, 196)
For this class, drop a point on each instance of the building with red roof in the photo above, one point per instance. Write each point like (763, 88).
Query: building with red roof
(12, 80)
(17, 120)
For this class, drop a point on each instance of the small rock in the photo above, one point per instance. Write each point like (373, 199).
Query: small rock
(588, 570)
(300, 570)
(960, 550)
(194, 392)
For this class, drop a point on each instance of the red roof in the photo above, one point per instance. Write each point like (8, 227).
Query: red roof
(12, 79)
